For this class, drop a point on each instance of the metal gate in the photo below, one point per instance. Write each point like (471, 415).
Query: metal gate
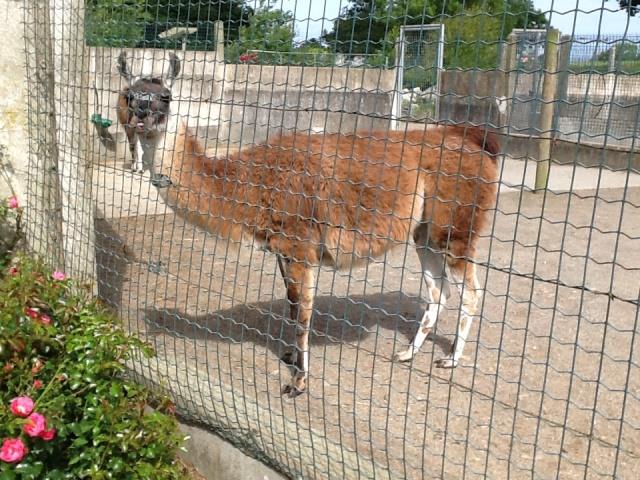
(419, 63)
(527, 72)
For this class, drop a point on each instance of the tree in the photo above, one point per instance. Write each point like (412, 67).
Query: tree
(624, 51)
(631, 6)
(472, 40)
(367, 26)
(138, 23)
(201, 14)
(364, 25)
(115, 23)
(267, 29)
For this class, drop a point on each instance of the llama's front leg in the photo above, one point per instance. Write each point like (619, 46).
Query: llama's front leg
(137, 165)
(463, 274)
(300, 283)
(135, 149)
(437, 291)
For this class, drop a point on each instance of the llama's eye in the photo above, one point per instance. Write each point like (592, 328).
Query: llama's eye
(166, 97)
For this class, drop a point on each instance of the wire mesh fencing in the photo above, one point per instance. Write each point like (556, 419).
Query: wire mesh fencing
(342, 288)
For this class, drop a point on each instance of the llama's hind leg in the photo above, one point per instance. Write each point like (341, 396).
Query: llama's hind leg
(463, 274)
(300, 284)
(437, 291)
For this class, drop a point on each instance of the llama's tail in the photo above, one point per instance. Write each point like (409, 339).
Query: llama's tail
(485, 139)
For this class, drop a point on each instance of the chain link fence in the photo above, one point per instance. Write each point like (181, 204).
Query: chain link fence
(600, 95)
(286, 241)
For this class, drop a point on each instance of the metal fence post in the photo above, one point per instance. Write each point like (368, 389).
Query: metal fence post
(508, 66)
(611, 58)
(549, 88)
(218, 29)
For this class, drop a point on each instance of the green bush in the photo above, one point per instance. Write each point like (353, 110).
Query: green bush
(65, 409)
(472, 40)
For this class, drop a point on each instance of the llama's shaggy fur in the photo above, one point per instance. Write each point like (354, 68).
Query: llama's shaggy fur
(336, 199)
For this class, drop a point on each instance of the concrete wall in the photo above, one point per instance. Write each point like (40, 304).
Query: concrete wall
(594, 109)
(572, 152)
(600, 107)
(600, 85)
(13, 103)
(264, 99)
(473, 96)
(216, 459)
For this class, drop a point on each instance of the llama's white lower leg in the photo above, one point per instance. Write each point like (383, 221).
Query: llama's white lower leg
(467, 283)
(300, 290)
(437, 291)
(137, 165)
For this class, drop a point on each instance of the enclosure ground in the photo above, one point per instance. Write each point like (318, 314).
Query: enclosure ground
(550, 381)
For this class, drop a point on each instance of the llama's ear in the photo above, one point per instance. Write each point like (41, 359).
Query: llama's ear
(174, 68)
(123, 68)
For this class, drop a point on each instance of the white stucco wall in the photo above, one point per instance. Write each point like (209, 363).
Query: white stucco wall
(13, 101)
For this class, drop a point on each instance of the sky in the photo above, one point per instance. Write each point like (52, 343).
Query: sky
(570, 16)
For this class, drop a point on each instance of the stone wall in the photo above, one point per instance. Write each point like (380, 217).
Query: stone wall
(473, 96)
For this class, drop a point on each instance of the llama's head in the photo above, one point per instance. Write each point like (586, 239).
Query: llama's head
(148, 97)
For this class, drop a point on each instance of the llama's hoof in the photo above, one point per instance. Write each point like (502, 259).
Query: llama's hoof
(446, 362)
(288, 358)
(291, 391)
(405, 356)
(298, 386)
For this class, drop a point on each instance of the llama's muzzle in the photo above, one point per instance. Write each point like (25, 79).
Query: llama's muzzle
(161, 181)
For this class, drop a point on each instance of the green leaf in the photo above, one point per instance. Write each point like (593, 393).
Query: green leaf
(7, 474)
(30, 470)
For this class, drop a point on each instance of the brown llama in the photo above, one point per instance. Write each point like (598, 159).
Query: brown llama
(340, 199)
(143, 108)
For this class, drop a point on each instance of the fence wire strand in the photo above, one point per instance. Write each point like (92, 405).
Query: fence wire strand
(283, 197)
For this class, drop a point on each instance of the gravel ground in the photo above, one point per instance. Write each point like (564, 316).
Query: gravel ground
(550, 380)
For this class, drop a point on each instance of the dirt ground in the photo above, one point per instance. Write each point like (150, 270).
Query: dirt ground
(549, 386)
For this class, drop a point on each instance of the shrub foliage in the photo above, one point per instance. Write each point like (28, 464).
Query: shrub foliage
(65, 409)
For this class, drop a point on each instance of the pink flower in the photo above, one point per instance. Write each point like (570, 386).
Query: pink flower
(32, 312)
(37, 366)
(13, 271)
(45, 319)
(48, 435)
(57, 275)
(36, 424)
(13, 450)
(22, 406)
(13, 202)
(37, 384)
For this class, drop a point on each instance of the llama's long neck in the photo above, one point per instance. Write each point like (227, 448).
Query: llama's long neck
(194, 186)
(156, 149)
